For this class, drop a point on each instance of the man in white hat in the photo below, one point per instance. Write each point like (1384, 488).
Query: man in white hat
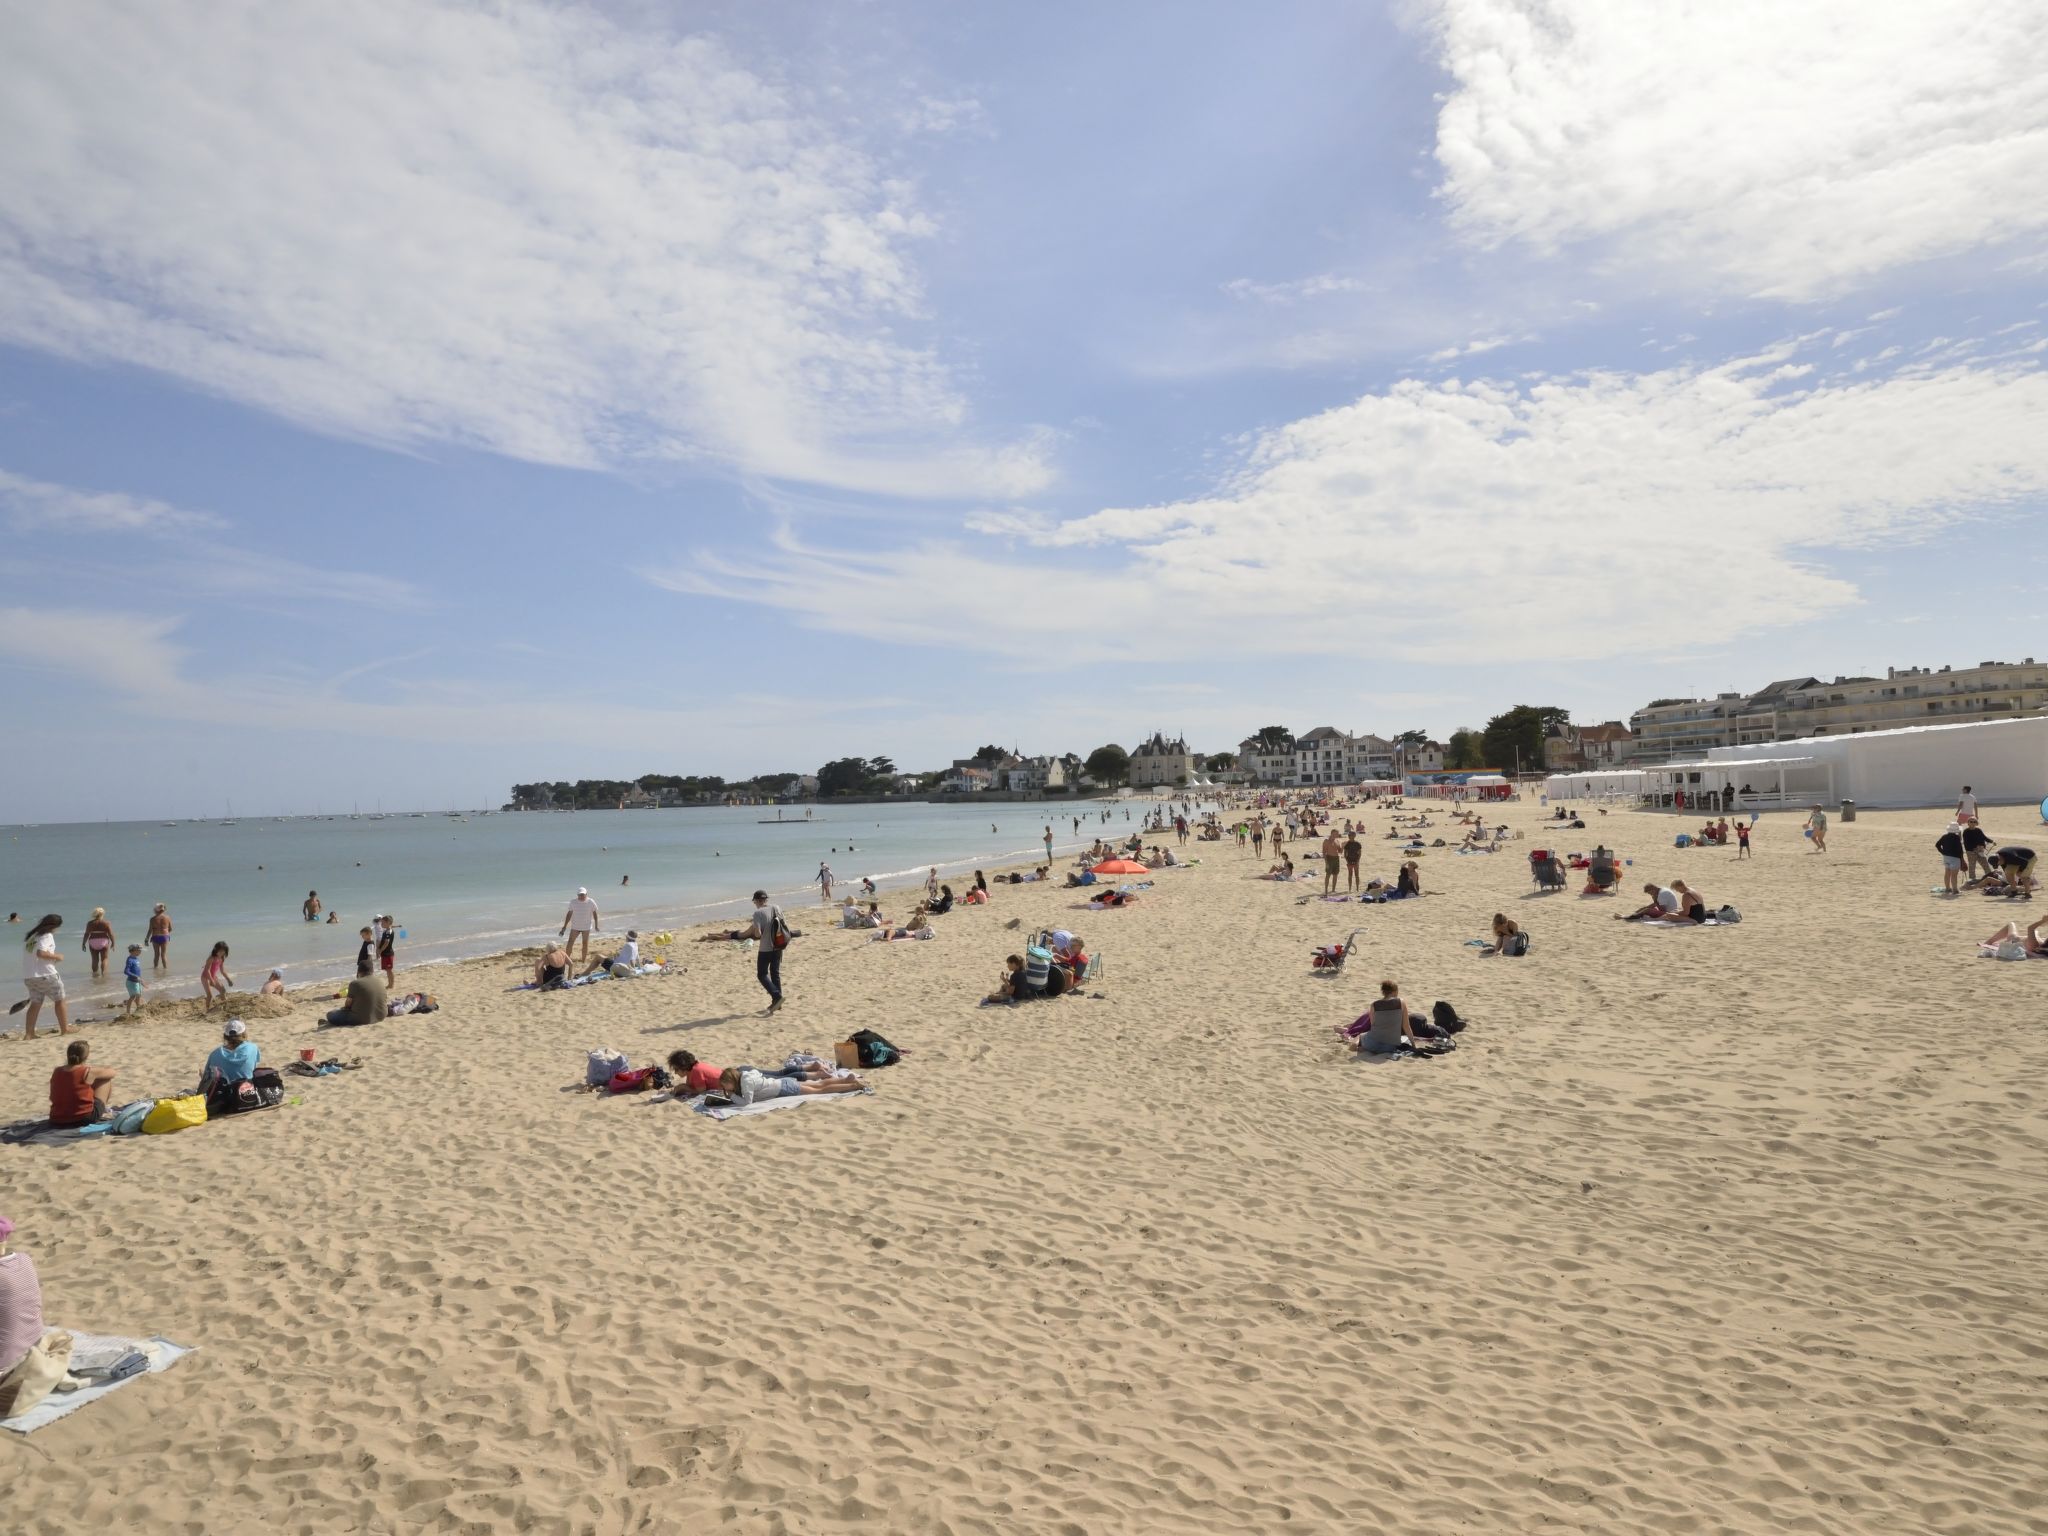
(579, 922)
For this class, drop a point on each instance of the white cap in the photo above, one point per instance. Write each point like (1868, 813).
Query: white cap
(234, 1027)
(582, 890)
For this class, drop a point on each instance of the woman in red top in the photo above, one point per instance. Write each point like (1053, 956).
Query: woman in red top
(78, 1092)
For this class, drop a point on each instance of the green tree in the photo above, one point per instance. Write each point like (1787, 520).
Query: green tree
(1220, 762)
(1514, 740)
(989, 756)
(844, 776)
(1412, 739)
(1463, 751)
(1109, 766)
(1273, 739)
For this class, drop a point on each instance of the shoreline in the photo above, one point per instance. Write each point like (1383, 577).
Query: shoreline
(680, 920)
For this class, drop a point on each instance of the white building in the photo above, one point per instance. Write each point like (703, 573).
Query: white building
(1160, 761)
(1327, 755)
(1035, 774)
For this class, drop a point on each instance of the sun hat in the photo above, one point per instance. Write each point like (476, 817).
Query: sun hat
(632, 933)
(234, 1027)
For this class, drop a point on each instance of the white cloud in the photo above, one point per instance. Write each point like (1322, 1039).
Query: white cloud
(1567, 518)
(47, 508)
(1783, 150)
(521, 227)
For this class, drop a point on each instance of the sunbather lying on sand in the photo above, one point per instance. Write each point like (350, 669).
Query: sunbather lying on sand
(2030, 936)
(743, 1085)
(697, 1077)
(919, 927)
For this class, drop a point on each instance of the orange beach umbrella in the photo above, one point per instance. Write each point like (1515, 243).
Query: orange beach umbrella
(1120, 867)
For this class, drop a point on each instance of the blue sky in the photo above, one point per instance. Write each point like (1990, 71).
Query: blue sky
(404, 399)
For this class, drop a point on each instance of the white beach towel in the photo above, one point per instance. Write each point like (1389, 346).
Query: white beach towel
(768, 1106)
(163, 1354)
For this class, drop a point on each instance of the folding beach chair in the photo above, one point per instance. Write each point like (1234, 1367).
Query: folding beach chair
(1547, 870)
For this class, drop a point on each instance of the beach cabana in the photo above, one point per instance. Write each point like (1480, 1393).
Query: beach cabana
(1760, 783)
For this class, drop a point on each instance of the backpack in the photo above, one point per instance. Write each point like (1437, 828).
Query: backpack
(603, 1065)
(874, 1050)
(168, 1115)
(780, 937)
(1517, 944)
(1445, 1017)
(1727, 915)
(127, 1120)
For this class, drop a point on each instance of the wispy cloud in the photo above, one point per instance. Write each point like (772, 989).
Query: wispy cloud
(1478, 345)
(48, 508)
(1783, 150)
(1295, 291)
(1534, 520)
(520, 227)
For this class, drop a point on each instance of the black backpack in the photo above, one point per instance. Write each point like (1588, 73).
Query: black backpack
(1517, 944)
(874, 1050)
(1445, 1017)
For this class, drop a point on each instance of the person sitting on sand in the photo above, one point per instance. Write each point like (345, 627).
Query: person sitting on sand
(697, 1077)
(368, 999)
(273, 986)
(1011, 987)
(943, 903)
(551, 970)
(1410, 880)
(1506, 933)
(622, 962)
(232, 1061)
(1385, 1027)
(743, 1085)
(1662, 907)
(1691, 904)
(78, 1090)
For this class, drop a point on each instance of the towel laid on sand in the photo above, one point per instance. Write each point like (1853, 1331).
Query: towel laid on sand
(163, 1354)
(703, 1106)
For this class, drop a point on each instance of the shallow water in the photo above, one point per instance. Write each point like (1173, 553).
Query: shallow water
(461, 888)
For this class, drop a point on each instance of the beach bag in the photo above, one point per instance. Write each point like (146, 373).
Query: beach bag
(1445, 1017)
(631, 1082)
(603, 1065)
(2009, 949)
(780, 938)
(127, 1120)
(1727, 915)
(1517, 944)
(170, 1115)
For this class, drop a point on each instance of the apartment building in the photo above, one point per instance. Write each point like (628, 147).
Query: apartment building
(1679, 730)
(1327, 755)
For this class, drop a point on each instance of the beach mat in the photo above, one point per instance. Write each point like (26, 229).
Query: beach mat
(163, 1354)
(40, 1133)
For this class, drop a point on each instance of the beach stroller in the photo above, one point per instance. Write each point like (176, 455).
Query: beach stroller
(1330, 958)
(1547, 870)
(1603, 872)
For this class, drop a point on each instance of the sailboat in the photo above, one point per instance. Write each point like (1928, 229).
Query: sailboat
(230, 819)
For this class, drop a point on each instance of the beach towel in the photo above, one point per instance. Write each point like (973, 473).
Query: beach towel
(86, 1347)
(40, 1133)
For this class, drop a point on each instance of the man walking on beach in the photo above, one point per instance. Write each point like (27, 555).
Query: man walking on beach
(825, 879)
(579, 922)
(769, 937)
(1333, 850)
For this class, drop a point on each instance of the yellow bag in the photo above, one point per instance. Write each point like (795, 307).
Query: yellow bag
(175, 1115)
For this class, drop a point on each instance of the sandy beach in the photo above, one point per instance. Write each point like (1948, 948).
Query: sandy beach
(1735, 1229)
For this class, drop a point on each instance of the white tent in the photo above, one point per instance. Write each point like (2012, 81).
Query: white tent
(1611, 784)
(2003, 761)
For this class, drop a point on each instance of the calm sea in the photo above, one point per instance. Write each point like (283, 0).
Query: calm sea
(461, 888)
